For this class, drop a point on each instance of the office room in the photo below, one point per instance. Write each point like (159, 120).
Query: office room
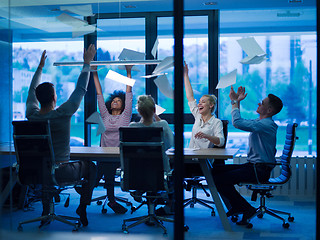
(150, 48)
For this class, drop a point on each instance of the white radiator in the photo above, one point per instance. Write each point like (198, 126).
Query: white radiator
(301, 183)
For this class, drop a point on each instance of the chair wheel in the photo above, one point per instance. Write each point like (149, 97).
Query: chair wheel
(249, 225)
(99, 202)
(75, 230)
(20, 228)
(125, 229)
(104, 210)
(260, 215)
(191, 205)
(290, 219)
(186, 228)
(286, 225)
(78, 224)
(234, 218)
(213, 213)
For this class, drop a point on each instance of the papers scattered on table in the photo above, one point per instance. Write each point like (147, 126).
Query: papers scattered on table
(255, 53)
(227, 80)
(96, 118)
(164, 86)
(159, 110)
(171, 150)
(119, 78)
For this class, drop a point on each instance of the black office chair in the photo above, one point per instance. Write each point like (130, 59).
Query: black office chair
(143, 169)
(193, 183)
(265, 188)
(36, 166)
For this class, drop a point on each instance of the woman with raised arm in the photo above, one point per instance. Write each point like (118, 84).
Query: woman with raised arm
(207, 130)
(115, 112)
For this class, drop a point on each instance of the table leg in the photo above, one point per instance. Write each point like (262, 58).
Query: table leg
(214, 193)
(6, 191)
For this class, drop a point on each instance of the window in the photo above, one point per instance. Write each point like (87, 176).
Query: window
(25, 60)
(289, 72)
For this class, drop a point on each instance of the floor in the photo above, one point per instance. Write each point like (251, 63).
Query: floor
(202, 225)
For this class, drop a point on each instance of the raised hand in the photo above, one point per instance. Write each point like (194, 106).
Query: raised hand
(43, 59)
(89, 54)
(238, 96)
(185, 69)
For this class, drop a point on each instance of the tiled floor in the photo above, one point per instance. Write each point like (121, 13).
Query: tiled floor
(202, 226)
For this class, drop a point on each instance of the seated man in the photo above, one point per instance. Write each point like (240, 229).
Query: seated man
(262, 149)
(60, 120)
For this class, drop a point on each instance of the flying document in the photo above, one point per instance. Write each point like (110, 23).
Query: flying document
(128, 54)
(164, 86)
(227, 80)
(164, 65)
(155, 48)
(159, 110)
(96, 118)
(119, 78)
(255, 53)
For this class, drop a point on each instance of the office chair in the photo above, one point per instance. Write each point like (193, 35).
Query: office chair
(265, 188)
(143, 169)
(36, 167)
(193, 183)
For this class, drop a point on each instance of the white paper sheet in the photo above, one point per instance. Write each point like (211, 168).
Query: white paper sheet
(164, 86)
(72, 21)
(164, 65)
(83, 10)
(159, 110)
(155, 48)
(154, 75)
(128, 54)
(254, 59)
(255, 53)
(119, 78)
(228, 79)
(96, 118)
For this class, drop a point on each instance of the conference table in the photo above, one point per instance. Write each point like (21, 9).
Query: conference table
(108, 154)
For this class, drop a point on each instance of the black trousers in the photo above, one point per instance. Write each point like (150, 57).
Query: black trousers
(75, 171)
(226, 176)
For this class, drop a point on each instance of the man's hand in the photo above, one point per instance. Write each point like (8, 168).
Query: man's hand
(238, 96)
(43, 59)
(89, 54)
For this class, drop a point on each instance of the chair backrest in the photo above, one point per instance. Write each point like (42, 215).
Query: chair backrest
(34, 152)
(285, 158)
(142, 157)
(225, 132)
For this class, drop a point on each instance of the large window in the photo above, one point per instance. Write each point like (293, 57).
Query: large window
(289, 72)
(25, 61)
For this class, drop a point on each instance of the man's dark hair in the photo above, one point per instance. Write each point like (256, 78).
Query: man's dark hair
(275, 103)
(45, 93)
(117, 93)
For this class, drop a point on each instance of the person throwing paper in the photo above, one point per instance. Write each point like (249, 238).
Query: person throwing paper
(115, 113)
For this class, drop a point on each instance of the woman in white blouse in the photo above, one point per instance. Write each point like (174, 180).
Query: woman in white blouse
(207, 130)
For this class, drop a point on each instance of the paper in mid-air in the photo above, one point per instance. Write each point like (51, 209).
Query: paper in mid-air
(120, 78)
(164, 86)
(255, 53)
(159, 110)
(227, 80)
(96, 118)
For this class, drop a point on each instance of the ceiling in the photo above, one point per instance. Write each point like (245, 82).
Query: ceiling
(37, 19)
